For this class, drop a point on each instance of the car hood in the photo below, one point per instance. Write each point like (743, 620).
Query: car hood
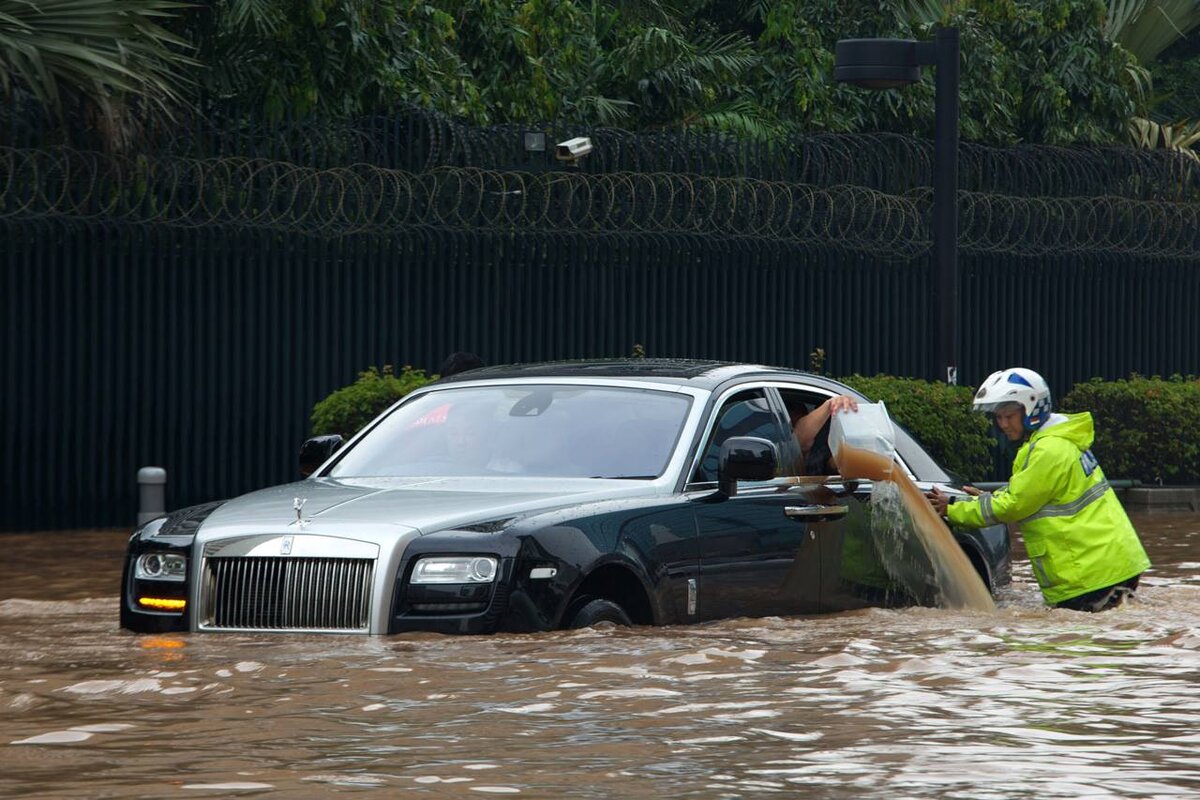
(420, 504)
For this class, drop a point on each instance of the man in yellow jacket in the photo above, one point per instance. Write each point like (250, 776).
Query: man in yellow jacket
(1085, 553)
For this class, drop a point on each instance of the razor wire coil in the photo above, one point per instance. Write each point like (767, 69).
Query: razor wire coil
(364, 198)
(419, 140)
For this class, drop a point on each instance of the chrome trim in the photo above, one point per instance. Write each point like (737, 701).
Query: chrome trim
(817, 512)
(285, 593)
(325, 584)
(302, 546)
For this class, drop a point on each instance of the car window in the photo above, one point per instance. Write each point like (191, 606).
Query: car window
(819, 459)
(529, 430)
(918, 461)
(747, 413)
(818, 462)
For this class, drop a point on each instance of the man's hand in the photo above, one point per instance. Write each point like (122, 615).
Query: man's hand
(842, 402)
(938, 500)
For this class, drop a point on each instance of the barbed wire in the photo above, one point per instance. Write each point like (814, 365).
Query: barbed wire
(416, 139)
(419, 140)
(363, 198)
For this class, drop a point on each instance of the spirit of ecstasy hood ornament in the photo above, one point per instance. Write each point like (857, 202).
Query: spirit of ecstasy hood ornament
(297, 504)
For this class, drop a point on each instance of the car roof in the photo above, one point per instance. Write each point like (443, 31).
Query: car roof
(693, 372)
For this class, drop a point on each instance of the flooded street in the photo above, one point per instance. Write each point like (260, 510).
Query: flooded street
(1022, 702)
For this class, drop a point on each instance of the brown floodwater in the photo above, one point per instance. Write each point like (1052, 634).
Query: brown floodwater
(1017, 702)
(960, 586)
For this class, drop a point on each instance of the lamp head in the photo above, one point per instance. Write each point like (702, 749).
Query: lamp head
(876, 63)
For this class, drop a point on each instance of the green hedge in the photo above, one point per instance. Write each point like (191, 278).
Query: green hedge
(348, 409)
(1147, 429)
(940, 418)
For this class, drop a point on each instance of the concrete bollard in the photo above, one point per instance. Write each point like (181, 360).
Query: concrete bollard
(152, 494)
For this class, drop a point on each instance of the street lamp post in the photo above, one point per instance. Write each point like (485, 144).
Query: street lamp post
(889, 64)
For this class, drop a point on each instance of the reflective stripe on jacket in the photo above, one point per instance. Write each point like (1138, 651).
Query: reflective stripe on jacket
(1078, 536)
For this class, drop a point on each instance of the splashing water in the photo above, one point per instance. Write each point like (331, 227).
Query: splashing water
(916, 547)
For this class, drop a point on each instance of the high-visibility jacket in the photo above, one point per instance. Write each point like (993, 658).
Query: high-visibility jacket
(1078, 536)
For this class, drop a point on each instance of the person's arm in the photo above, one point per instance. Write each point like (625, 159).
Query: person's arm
(808, 426)
(1028, 490)
(940, 500)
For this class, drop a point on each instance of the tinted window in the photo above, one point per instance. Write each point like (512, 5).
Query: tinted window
(541, 431)
(744, 414)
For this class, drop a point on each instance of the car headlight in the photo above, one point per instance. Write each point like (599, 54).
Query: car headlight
(160, 567)
(455, 569)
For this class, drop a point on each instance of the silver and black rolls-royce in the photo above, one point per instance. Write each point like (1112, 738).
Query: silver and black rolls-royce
(543, 496)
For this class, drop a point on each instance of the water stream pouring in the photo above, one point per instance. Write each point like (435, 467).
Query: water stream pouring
(864, 447)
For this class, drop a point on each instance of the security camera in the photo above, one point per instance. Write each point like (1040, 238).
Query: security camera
(573, 149)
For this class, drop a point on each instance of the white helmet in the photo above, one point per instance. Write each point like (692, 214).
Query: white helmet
(1016, 385)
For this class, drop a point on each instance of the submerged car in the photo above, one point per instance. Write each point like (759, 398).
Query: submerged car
(543, 496)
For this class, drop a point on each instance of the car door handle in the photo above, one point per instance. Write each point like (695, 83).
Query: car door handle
(815, 513)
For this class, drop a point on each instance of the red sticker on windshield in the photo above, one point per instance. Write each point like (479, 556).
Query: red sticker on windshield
(436, 416)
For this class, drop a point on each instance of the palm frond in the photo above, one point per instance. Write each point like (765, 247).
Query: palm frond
(724, 56)
(741, 118)
(652, 12)
(1141, 84)
(1181, 137)
(1121, 14)
(608, 111)
(926, 12)
(97, 49)
(1147, 27)
(264, 16)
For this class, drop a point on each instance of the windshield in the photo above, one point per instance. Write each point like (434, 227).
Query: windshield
(528, 430)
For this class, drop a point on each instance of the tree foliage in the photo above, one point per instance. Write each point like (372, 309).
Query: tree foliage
(106, 63)
(1044, 71)
(333, 57)
(1033, 71)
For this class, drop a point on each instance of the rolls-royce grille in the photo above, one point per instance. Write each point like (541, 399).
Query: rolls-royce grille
(289, 593)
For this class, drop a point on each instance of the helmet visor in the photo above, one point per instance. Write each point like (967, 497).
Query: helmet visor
(992, 408)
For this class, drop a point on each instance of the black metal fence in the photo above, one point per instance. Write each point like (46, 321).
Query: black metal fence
(187, 307)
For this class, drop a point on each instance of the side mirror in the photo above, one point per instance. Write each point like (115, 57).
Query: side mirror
(745, 458)
(315, 452)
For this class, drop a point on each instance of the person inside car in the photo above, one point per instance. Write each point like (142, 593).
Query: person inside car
(811, 429)
(1085, 552)
(457, 362)
(471, 440)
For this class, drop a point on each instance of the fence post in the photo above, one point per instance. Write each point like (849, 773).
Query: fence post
(152, 494)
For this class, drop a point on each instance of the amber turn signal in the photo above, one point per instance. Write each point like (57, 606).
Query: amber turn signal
(162, 603)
